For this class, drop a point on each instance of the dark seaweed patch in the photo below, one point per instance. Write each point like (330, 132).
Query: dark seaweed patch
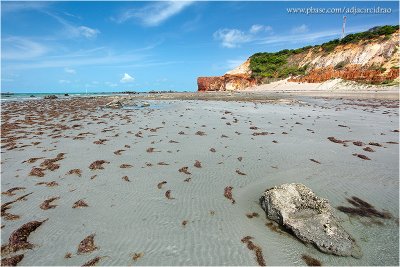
(334, 140)
(257, 250)
(374, 144)
(47, 203)
(358, 143)
(240, 173)
(361, 156)
(98, 165)
(80, 204)
(368, 149)
(310, 261)
(37, 172)
(12, 261)
(252, 215)
(78, 172)
(197, 164)
(228, 193)
(10, 192)
(184, 170)
(168, 194)
(93, 261)
(125, 166)
(87, 245)
(136, 256)
(363, 209)
(118, 152)
(18, 239)
(160, 185)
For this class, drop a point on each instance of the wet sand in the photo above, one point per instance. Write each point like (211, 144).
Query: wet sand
(178, 182)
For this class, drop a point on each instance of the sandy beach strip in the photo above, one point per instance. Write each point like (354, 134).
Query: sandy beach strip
(178, 182)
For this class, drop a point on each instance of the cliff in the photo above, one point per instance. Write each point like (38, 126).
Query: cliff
(367, 57)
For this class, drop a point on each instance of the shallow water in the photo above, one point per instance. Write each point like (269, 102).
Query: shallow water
(135, 216)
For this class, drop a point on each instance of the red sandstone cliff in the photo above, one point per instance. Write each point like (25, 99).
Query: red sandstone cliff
(369, 61)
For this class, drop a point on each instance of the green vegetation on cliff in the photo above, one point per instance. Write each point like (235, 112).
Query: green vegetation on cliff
(276, 65)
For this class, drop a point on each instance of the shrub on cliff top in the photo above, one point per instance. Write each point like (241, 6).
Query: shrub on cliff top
(275, 65)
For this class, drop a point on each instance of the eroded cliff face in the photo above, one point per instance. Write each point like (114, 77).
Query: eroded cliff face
(227, 82)
(369, 61)
(373, 61)
(236, 79)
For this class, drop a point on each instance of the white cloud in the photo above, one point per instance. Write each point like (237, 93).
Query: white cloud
(11, 6)
(87, 32)
(232, 38)
(256, 28)
(64, 81)
(72, 31)
(300, 29)
(127, 78)
(16, 48)
(154, 14)
(70, 71)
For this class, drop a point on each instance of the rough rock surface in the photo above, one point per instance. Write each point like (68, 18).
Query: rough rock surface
(50, 97)
(114, 104)
(309, 217)
(228, 82)
(352, 73)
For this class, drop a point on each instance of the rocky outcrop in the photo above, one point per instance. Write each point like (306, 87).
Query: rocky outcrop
(351, 73)
(236, 79)
(50, 97)
(114, 104)
(309, 217)
(228, 82)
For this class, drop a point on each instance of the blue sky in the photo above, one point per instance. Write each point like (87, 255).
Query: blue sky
(142, 46)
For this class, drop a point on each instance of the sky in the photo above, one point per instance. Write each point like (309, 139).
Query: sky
(141, 46)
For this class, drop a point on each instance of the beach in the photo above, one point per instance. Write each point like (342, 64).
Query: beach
(148, 184)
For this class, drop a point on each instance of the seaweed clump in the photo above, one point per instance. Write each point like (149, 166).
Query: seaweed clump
(48, 184)
(361, 156)
(137, 256)
(12, 261)
(6, 206)
(184, 170)
(257, 250)
(47, 203)
(240, 173)
(228, 194)
(87, 245)
(98, 165)
(197, 164)
(334, 140)
(18, 239)
(37, 172)
(10, 192)
(92, 262)
(160, 185)
(78, 172)
(168, 194)
(363, 209)
(80, 204)
(310, 261)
